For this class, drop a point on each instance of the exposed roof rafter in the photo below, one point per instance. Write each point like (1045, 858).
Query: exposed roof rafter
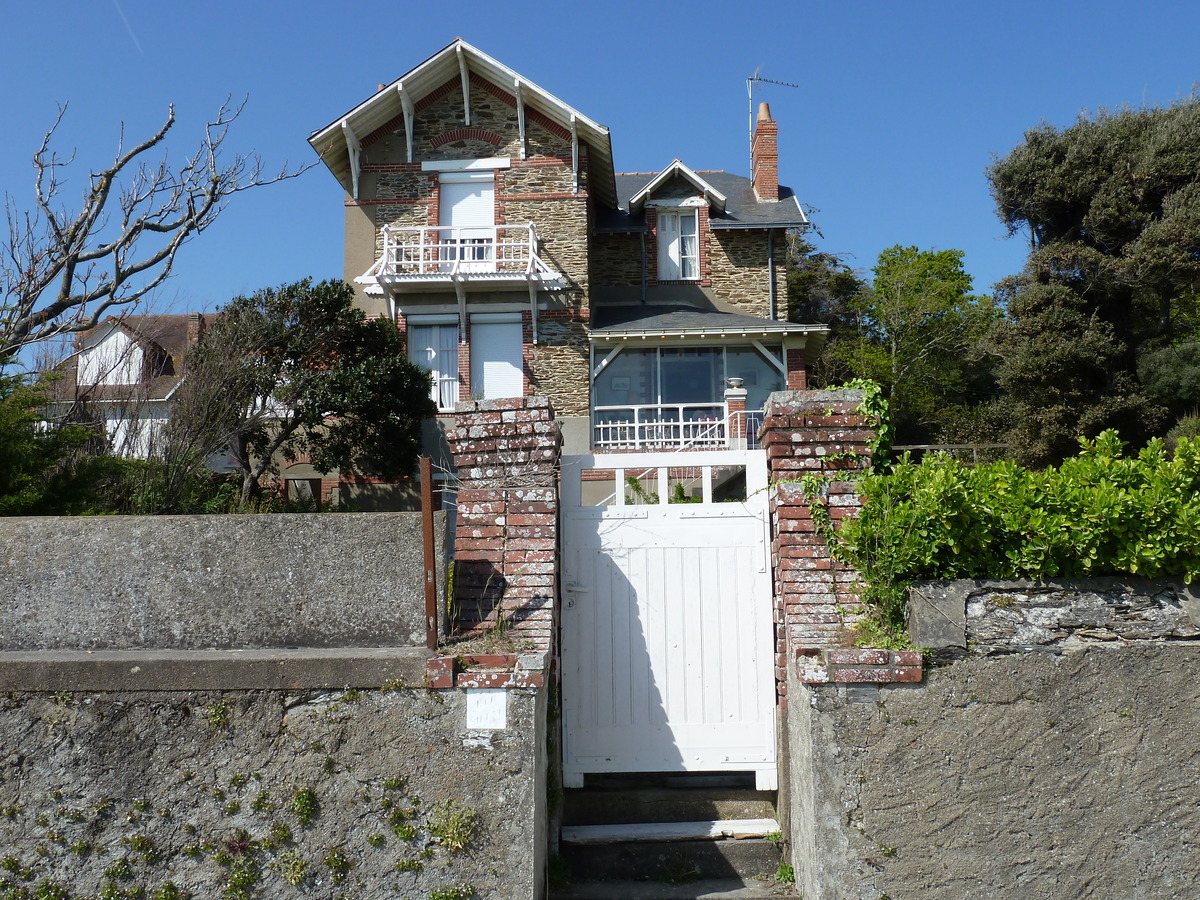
(461, 61)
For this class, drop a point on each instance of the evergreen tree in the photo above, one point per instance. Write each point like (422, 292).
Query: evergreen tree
(1112, 209)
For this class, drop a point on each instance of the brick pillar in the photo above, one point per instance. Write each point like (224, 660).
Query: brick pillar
(811, 433)
(506, 529)
(797, 369)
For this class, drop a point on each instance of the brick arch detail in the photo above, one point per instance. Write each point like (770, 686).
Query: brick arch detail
(467, 134)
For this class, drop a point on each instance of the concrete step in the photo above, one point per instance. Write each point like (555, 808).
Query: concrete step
(707, 829)
(672, 862)
(659, 804)
(708, 889)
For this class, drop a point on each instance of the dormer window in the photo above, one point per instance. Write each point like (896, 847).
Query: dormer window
(678, 245)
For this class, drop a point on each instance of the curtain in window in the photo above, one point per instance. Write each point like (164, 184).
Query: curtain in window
(689, 257)
(435, 349)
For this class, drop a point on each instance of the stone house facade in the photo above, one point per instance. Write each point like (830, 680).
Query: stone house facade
(485, 217)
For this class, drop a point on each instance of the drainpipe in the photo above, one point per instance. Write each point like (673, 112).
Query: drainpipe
(771, 270)
(643, 237)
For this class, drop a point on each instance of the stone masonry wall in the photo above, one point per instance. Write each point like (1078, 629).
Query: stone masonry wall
(440, 133)
(1029, 775)
(558, 364)
(957, 618)
(282, 794)
(506, 543)
(739, 271)
(617, 260)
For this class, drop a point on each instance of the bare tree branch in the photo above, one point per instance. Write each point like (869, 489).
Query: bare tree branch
(62, 270)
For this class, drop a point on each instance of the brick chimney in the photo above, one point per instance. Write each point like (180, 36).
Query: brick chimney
(195, 328)
(764, 155)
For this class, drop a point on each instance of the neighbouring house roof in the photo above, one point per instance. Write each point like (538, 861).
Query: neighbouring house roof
(742, 208)
(388, 105)
(164, 338)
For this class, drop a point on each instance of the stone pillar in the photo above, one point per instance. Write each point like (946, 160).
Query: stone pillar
(506, 532)
(735, 415)
(822, 434)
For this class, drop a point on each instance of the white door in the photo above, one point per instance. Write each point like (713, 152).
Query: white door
(668, 641)
(467, 216)
(497, 363)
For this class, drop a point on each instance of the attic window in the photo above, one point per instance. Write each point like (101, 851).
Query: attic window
(678, 245)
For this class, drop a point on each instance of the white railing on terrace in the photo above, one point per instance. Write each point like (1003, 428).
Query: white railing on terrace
(677, 426)
(450, 252)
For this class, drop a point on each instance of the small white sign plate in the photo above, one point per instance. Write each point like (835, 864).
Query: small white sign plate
(487, 708)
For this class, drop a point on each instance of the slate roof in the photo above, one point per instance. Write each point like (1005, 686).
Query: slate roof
(743, 209)
(658, 320)
(676, 318)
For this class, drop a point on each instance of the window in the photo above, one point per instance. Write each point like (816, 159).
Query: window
(434, 347)
(670, 375)
(497, 361)
(678, 245)
(467, 209)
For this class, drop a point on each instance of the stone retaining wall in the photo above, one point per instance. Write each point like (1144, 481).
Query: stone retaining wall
(995, 617)
(297, 793)
(217, 706)
(1055, 758)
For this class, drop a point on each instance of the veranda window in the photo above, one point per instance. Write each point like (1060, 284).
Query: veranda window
(672, 375)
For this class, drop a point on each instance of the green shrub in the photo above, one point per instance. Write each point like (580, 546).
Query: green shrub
(1099, 513)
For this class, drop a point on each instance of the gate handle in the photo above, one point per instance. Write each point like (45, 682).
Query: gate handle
(574, 589)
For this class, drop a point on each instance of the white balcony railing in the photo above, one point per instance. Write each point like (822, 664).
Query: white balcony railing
(675, 426)
(496, 252)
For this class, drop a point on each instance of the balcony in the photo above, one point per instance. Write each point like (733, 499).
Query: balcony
(490, 257)
(680, 426)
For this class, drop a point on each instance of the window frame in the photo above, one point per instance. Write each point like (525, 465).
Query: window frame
(673, 262)
(448, 376)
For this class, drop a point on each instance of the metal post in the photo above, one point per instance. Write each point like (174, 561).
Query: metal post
(431, 611)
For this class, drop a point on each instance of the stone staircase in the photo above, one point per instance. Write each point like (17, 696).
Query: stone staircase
(626, 837)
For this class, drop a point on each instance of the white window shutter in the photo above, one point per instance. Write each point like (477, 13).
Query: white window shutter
(497, 364)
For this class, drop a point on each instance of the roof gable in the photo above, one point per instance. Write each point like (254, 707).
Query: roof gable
(398, 102)
(677, 169)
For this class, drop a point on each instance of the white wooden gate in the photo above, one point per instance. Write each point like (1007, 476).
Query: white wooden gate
(667, 637)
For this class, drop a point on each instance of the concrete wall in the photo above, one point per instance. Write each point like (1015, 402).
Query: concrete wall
(196, 788)
(1060, 767)
(194, 582)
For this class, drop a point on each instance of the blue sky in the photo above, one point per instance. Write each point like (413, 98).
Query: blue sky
(900, 108)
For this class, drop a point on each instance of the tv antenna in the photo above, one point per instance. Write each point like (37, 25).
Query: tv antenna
(757, 79)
